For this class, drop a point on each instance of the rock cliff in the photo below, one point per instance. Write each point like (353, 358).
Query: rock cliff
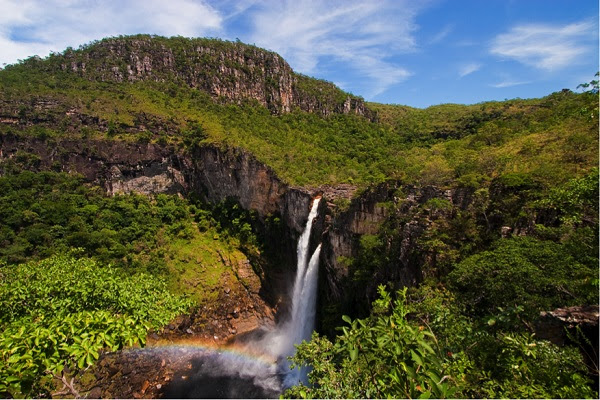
(228, 71)
(389, 206)
(216, 174)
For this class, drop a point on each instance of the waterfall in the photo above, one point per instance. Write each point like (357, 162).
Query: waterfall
(301, 321)
(304, 300)
(305, 282)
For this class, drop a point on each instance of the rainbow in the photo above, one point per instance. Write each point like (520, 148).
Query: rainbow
(231, 351)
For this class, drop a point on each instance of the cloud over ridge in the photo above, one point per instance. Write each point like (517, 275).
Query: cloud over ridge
(547, 47)
(359, 33)
(29, 27)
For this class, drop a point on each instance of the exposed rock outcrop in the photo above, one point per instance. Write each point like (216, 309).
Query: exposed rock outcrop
(216, 174)
(576, 325)
(228, 71)
(555, 325)
(119, 167)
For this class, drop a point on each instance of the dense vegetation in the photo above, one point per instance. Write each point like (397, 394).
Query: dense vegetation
(59, 313)
(526, 242)
(81, 272)
(469, 329)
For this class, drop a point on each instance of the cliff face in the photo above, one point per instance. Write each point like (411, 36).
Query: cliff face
(217, 174)
(209, 171)
(228, 71)
(118, 167)
(404, 209)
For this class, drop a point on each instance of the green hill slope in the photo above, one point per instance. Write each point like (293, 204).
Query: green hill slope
(190, 91)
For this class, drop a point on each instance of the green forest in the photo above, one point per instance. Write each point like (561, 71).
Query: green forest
(84, 273)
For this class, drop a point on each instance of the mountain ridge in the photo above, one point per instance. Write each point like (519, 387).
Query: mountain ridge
(171, 91)
(228, 71)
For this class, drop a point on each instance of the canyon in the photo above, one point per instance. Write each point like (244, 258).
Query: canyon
(401, 198)
(216, 174)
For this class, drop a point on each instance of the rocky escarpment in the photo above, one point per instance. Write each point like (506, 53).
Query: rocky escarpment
(120, 167)
(216, 174)
(228, 71)
(403, 209)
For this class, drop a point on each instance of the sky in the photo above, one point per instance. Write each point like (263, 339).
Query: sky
(412, 52)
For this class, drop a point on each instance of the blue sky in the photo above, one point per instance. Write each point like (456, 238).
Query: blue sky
(413, 52)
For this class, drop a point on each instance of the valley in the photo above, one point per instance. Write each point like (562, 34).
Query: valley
(444, 233)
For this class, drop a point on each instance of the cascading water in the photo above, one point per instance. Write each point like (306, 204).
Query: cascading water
(298, 326)
(302, 318)
(221, 373)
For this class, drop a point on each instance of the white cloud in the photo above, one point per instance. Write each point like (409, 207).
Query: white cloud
(29, 27)
(441, 35)
(234, 8)
(509, 83)
(362, 34)
(546, 47)
(467, 69)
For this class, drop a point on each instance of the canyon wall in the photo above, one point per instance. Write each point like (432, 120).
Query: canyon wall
(216, 174)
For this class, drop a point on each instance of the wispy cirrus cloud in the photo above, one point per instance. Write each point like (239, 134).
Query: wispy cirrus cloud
(469, 68)
(441, 35)
(30, 27)
(546, 47)
(509, 83)
(362, 34)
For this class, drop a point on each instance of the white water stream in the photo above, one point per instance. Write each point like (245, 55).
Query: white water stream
(299, 325)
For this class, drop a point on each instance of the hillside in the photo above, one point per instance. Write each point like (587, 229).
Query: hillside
(157, 188)
(178, 91)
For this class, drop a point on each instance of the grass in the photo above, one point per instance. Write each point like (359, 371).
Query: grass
(200, 266)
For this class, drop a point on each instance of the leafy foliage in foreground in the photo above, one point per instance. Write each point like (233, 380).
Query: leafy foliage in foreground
(479, 301)
(435, 351)
(62, 311)
(382, 356)
(488, 357)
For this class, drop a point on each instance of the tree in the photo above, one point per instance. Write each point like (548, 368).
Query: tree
(591, 87)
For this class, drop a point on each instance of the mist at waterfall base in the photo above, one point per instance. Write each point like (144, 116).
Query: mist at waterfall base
(259, 367)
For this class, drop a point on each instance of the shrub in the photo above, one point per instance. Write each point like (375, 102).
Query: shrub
(62, 311)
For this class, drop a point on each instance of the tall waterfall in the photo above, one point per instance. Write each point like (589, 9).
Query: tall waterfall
(305, 283)
(300, 324)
